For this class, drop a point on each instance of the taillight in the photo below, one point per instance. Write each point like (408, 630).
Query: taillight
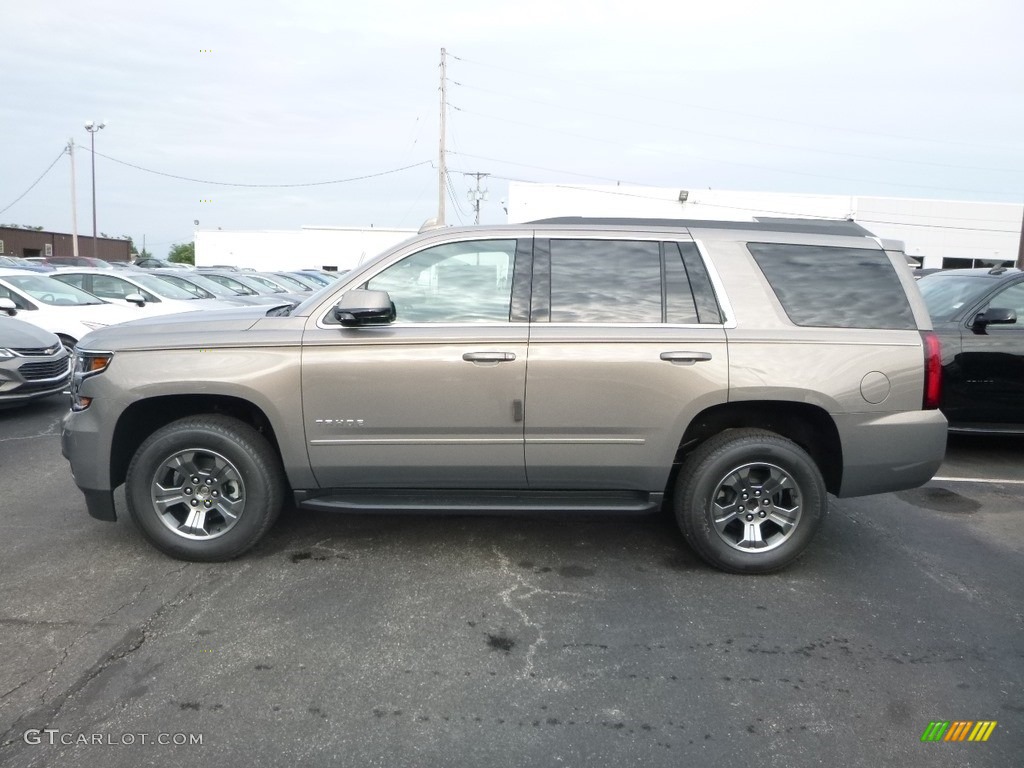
(932, 370)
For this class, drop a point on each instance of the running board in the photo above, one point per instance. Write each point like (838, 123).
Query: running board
(478, 501)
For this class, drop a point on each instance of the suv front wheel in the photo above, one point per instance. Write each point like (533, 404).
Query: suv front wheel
(205, 488)
(749, 500)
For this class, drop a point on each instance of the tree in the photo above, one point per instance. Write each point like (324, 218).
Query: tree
(182, 253)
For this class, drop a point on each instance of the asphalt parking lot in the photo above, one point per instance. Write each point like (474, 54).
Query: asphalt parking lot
(425, 641)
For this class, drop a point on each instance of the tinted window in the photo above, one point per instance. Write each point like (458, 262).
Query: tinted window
(605, 281)
(626, 281)
(1009, 298)
(51, 291)
(19, 302)
(822, 286)
(689, 295)
(946, 296)
(111, 288)
(680, 306)
(468, 282)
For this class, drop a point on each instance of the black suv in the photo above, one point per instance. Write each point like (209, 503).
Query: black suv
(975, 313)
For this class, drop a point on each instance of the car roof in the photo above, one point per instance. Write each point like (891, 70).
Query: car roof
(795, 225)
(94, 271)
(993, 273)
(15, 272)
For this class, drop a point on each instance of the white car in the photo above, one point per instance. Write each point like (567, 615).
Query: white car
(57, 307)
(148, 293)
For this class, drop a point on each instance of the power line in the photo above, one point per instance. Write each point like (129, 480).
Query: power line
(547, 76)
(727, 137)
(728, 162)
(263, 186)
(454, 197)
(32, 186)
(544, 168)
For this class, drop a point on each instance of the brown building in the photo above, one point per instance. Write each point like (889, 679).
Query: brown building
(33, 242)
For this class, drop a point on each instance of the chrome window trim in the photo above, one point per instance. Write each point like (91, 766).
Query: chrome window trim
(403, 250)
(729, 319)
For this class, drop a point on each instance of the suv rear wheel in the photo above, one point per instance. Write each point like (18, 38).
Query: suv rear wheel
(205, 488)
(749, 501)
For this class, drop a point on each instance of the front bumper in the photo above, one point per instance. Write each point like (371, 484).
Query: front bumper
(84, 445)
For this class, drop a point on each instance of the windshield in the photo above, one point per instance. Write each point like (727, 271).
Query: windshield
(163, 288)
(235, 285)
(318, 279)
(54, 292)
(947, 295)
(265, 283)
(291, 282)
(199, 286)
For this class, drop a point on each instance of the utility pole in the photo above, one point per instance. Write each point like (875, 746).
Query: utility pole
(477, 195)
(1020, 247)
(442, 167)
(93, 127)
(74, 201)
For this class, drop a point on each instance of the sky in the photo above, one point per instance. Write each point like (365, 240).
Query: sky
(259, 115)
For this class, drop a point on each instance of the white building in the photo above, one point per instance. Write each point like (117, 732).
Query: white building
(939, 233)
(333, 248)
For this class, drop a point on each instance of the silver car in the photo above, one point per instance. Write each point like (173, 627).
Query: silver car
(33, 363)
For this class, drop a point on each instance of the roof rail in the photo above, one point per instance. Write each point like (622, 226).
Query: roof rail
(796, 225)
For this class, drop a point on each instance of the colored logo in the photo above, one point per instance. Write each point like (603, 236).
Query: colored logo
(959, 730)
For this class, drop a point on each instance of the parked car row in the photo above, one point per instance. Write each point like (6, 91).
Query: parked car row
(46, 310)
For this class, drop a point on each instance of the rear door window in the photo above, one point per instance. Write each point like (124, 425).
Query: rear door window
(629, 281)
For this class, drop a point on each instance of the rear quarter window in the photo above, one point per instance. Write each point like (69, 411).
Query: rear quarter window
(830, 287)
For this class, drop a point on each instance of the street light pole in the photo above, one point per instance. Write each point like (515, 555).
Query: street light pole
(92, 128)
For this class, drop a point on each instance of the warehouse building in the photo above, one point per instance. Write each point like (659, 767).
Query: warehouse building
(31, 243)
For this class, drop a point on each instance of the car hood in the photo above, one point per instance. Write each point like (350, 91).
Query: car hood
(187, 329)
(21, 335)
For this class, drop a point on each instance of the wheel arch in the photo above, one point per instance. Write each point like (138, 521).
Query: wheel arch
(809, 426)
(143, 417)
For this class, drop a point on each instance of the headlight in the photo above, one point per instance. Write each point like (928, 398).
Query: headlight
(6, 354)
(86, 364)
(93, 325)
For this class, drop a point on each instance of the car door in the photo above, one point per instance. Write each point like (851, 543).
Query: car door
(990, 380)
(434, 399)
(627, 343)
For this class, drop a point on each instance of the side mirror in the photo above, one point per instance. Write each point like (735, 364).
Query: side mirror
(6, 305)
(993, 316)
(136, 298)
(360, 307)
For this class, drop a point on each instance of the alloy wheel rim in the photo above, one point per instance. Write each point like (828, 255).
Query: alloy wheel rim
(756, 507)
(198, 494)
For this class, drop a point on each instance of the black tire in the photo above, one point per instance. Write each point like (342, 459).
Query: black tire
(782, 485)
(205, 488)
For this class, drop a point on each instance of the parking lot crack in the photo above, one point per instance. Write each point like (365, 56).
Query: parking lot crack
(133, 639)
(51, 431)
(514, 597)
(17, 688)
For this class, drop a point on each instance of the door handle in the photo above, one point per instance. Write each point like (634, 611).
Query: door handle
(489, 357)
(685, 358)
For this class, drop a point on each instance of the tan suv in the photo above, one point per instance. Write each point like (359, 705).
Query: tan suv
(742, 370)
